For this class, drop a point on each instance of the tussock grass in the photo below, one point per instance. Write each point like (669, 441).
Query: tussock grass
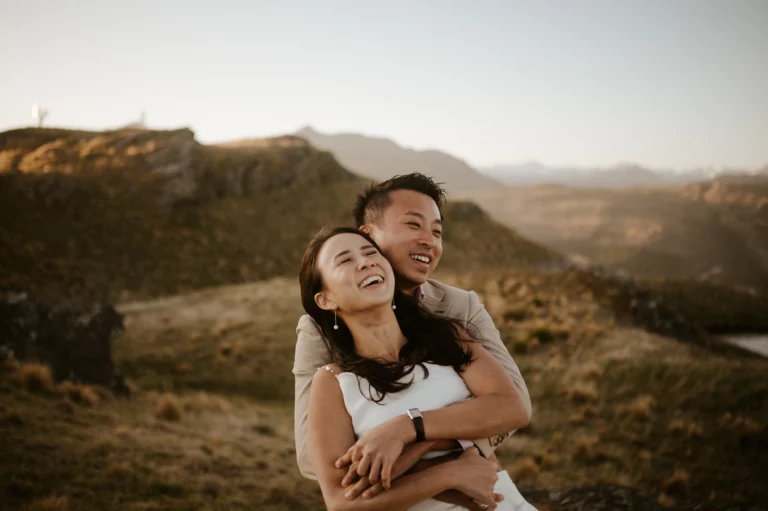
(524, 470)
(677, 483)
(36, 377)
(84, 395)
(581, 392)
(168, 408)
(53, 503)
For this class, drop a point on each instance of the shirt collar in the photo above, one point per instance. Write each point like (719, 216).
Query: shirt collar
(419, 294)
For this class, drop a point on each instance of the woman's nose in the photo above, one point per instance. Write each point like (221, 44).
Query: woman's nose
(366, 262)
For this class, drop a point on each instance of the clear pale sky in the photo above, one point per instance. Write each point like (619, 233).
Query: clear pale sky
(668, 83)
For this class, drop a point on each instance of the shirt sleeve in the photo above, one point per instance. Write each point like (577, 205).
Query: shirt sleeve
(311, 352)
(483, 329)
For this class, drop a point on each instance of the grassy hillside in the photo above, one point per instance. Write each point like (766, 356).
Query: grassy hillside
(131, 214)
(717, 230)
(211, 427)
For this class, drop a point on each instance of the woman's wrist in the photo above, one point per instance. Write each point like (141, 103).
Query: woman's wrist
(406, 428)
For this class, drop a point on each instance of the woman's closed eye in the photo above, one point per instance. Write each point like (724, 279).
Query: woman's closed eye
(414, 224)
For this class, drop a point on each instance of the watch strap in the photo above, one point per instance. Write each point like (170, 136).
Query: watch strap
(418, 423)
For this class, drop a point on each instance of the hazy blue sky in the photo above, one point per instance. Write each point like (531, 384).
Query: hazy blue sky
(667, 83)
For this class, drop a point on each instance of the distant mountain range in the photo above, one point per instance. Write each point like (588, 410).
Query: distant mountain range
(617, 176)
(714, 230)
(382, 158)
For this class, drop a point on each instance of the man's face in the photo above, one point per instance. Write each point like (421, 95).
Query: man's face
(411, 237)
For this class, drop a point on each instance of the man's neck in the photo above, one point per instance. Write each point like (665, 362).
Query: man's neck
(408, 288)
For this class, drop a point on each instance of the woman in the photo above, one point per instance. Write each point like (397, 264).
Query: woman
(391, 356)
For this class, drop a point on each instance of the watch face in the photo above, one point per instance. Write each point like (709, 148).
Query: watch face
(414, 412)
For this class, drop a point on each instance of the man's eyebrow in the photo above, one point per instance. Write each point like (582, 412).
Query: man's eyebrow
(422, 217)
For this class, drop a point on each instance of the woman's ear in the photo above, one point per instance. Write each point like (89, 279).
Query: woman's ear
(323, 302)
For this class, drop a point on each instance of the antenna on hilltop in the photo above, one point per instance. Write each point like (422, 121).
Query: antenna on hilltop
(39, 114)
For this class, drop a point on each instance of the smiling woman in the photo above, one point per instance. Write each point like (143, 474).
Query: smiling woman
(336, 267)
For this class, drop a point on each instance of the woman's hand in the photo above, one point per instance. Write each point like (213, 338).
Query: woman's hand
(407, 460)
(377, 450)
(475, 476)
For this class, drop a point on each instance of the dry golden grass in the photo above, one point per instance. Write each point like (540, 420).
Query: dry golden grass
(168, 408)
(240, 351)
(640, 407)
(677, 426)
(548, 460)
(53, 503)
(36, 377)
(123, 431)
(677, 483)
(525, 469)
(665, 500)
(695, 430)
(84, 395)
(591, 371)
(584, 413)
(585, 447)
(581, 392)
(119, 469)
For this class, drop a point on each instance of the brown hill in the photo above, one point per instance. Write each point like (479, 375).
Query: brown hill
(613, 405)
(380, 158)
(715, 231)
(137, 213)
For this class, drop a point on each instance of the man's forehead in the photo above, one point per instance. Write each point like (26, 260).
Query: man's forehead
(402, 202)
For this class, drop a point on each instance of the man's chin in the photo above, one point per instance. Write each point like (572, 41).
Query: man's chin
(411, 280)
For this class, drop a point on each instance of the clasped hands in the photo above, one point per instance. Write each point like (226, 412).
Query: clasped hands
(387, 451)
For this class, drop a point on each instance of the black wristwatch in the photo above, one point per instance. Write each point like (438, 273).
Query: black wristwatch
(418, 423)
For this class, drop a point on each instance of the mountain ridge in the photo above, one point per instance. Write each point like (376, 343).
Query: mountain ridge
(380, 158)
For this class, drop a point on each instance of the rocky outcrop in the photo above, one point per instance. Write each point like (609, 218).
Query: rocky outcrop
(166, 168)
(74, 338)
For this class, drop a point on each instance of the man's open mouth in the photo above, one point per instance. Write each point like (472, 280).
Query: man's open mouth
(422, 258)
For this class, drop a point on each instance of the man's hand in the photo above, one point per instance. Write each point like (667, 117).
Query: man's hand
(407, 460)
(376, 452)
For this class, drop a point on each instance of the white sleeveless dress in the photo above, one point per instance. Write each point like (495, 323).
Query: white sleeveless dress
(443, 387)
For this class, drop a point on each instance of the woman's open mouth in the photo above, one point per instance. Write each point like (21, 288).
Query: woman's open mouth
(371, 282)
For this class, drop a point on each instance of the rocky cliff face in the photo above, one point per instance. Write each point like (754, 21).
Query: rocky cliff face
(73, 338)
(171, 167)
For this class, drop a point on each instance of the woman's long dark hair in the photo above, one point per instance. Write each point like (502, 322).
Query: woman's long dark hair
(429, 338)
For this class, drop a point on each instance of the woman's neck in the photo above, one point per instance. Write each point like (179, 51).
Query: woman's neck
(376, 333)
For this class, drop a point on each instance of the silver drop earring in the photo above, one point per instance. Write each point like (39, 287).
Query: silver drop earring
(393, 304)
(335, 324)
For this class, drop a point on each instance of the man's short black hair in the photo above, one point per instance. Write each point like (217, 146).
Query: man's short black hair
(371, 204)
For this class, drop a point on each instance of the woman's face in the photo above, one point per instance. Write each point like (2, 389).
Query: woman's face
(356, 275)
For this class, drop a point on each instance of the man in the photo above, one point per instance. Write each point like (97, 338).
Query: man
(404, 216)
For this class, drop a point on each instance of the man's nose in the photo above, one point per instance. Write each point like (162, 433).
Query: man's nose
(427, 239)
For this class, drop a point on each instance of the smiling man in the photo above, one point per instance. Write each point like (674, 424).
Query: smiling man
(404, 216)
